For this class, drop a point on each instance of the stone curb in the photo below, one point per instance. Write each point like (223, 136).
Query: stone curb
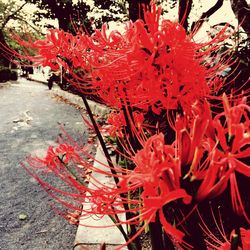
(96, 108)
(92, 238)
(5, 84)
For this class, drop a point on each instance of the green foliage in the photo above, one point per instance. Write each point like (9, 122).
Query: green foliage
(12, 10)
(14, 17)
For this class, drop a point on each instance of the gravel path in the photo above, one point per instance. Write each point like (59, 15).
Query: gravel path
(29, 121)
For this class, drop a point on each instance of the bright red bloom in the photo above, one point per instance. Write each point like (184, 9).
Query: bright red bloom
(117, 123)
(153, 64)
(157, 174)
(158, 170)
(245, 236)
(193, 136)
(227, 152)
(68, 163)
(63, 153)
(215, 148)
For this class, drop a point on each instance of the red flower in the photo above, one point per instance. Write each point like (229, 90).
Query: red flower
(245, 237)
(219, 241)
(215, 148)
(117, 122)
(227, 152)
(153, 64)
(193, 135)
(157, 174)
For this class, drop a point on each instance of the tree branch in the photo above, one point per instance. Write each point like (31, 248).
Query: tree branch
(241, 10)
(12, 15)
(185, 7)
(196, 25)
(33, 27)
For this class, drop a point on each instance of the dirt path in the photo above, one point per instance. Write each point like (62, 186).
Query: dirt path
(29, 122)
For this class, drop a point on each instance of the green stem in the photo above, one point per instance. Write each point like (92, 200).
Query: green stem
(120, 227)
(105, 151)
(71, 172)
(236, 241)
(103, 145)
(156, 234)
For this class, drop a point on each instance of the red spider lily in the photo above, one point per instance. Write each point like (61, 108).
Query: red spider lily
(245, 236)
(227, 153)
(68, 163)
(117, 122)
(220, 240)
(63, 153)
(215, 149)
(152, 64)
(161, 64)
(157, 174)
(193, 134)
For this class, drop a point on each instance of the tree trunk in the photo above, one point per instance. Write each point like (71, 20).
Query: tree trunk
(3, 60)
(63, 14)
(136, 9)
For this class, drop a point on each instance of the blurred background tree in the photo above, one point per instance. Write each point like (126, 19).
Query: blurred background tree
(85, 14)
(105, 11)
(64, 11)
(9, 11)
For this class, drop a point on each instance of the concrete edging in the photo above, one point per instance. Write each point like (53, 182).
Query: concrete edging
(94, 237)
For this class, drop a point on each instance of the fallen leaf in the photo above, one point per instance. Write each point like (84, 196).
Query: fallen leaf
(22, 216)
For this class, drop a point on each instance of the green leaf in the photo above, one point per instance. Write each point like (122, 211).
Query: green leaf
(122, 163)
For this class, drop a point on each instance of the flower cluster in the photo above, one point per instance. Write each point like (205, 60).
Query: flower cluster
(213, 148)
(224, 140)
(117, 123)
(153, 64)
(151, 69)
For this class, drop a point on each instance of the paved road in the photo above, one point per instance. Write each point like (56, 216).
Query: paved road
(29, 122)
